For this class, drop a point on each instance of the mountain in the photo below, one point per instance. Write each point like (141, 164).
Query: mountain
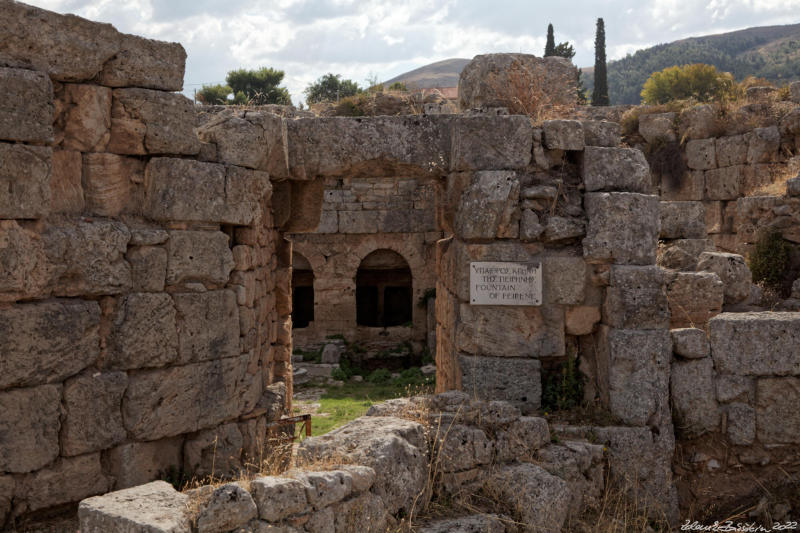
(771, 52)
(440, 74)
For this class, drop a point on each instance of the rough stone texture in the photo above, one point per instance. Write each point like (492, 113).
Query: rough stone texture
(145, 63)
(690, 187)
(701, 154)
(694, 405)
(108, 182)
(29, 422)
(731, 387)
(615, 169)
(623, 228)
(691, 343)
(698, 122)
(731, 150)
(198, 256)
(66, 191)
(521, 439)
(741, 429)
(181, 189)
(137, 463)
(26, 113)
(724, 183)
(148, 268)
(636, 298)
(581, 320)
(694, 298)
(143, 332)
(777, 416)
(601, 133)
(86, 257)
(489, 207)
(496, 80)
(563, 134)
(657, 126)
(515, 380)
(732, 270)
(93, 419)
(491, 142)
(540, 499)
(479, 523)
(25, 175)
(83, 117)
(22, 262)
(169, 121)
(394, 448)
(208, 325)
(633, 373)
(463, 448)
(67, 480)
(230, 507)
(764, 145)
(215, 452)
(793, 187)
(756, 344)
(153, 508)
(682, 220)
(161, 403)
(278, 497)
(563, 228)
(6, 496)
(47, 342)
(683, 254)
(526, 332)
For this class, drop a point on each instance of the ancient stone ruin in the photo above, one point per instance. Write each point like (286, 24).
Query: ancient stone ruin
(153, 259)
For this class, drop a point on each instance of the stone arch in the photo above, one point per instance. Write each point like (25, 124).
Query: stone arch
(302, 291)
(384, 290)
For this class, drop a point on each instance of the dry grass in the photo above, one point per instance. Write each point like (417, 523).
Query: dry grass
(776, 183)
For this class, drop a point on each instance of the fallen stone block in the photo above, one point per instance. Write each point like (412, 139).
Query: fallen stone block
(539, 499)
(155, 507)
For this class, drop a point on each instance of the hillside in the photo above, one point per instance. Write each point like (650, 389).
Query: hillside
(440, 74)
(771, 52)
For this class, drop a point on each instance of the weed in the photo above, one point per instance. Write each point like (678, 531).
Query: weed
(769, 260)
(379, 376)
(562, 387)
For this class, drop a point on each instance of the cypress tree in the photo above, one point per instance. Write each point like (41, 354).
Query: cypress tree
(550, 47)
(600, 93)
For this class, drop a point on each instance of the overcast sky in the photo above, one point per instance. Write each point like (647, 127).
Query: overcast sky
(363, 39)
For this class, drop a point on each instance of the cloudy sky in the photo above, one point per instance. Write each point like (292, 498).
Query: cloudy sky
(366, 39)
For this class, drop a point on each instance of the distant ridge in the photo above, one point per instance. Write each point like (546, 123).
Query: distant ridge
(440, 74)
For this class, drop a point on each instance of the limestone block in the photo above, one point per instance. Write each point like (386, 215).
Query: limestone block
(777, 416)
(26, 113)
(391, 446)
(489, 206)
(580, 320)
(540, 499)
(169, 119)
(229, 507)
(540, 192)
(683, 254)
(66, 191)
(525, 331)
(529, 227)
(137, 463)
(86, 257)
(563, 279)
(657, 126)
(29, 423)
(563, 228)
(636, 298)
(199, 256)
(143, 332)
(615, 169)
(756, 344)
(491, 143)
(763, 145)
(365, 513)
(478, 523)
(68, 480)
(47, 342)
(158, 508)
(208, 325)
(22, 262)
(148, 268)
(579, 464)
(563, 134)
(83, 120)
(691, 343)
(328, 222)
(694, 405)
(741, 429)
(601, 133)
(701, 154)
(623, 228)
(633, 373)
(789, 124)
(25, 174)
(215, 452)
(278, 497)
(145, 63)
(463, 448)
(683, 220)
(161, 403)
(521, 439)
(326, 488)
(732, 270)
(358, 221)
(698, 122)
(127, 137)
(694, 298)
(108, 180)
(501, 80)
(690, 187)
(731, 151)
(516, 380)
(93, 419)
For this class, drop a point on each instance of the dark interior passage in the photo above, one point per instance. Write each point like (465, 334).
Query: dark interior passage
(383, 290)
(302, 292)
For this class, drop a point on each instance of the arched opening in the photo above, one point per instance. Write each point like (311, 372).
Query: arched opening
(302, 291)
(383, 290)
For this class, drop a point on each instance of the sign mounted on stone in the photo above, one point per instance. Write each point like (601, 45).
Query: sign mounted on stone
(496, 283)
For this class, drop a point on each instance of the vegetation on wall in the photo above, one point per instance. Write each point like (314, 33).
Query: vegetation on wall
(769, 261)
(243, 86)
(700, 82)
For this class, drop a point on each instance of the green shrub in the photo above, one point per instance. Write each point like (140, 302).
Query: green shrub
(700, 82)
(769, 260)
(562, 386)
(379, 376)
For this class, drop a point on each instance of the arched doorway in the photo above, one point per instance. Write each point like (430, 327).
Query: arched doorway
(383, 290)
(302, 292)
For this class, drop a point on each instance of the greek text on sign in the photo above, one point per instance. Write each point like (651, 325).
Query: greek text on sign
(493, 283)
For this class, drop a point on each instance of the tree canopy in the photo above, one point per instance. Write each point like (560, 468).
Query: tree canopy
(550, 45)
(330, 88)
(699, 81)
(600, 92)
(256, 87)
